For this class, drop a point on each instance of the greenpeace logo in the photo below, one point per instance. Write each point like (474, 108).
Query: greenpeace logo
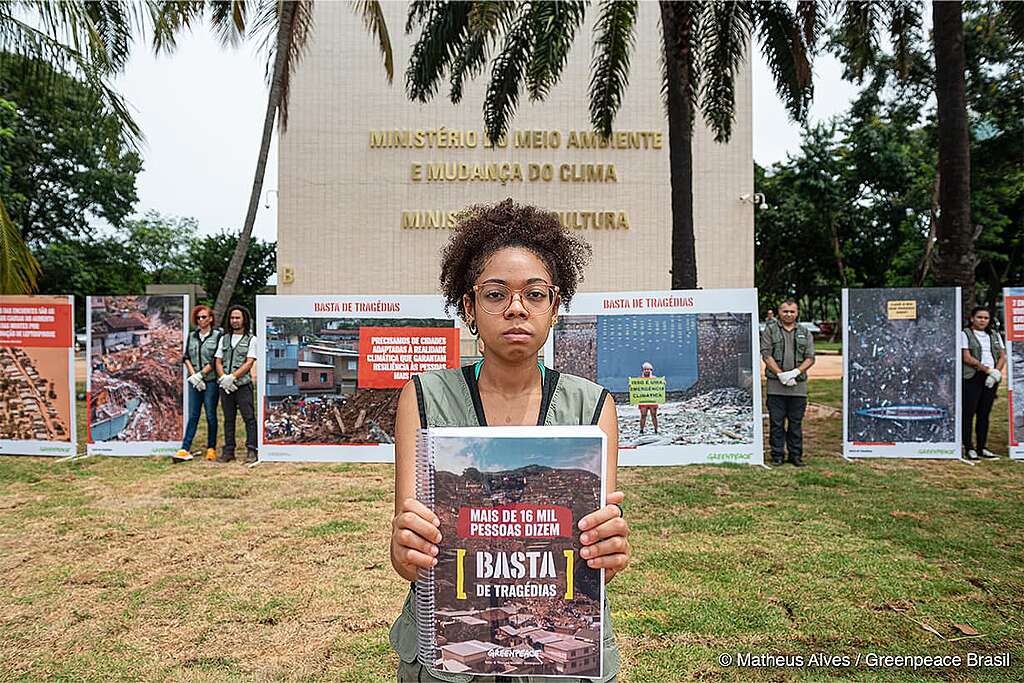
(55, 449)
(730, 456)
(517, 652)
(936, 451)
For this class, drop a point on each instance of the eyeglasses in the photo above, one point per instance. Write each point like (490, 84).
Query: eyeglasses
(496, 298)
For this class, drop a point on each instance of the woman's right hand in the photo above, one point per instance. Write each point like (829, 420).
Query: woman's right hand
(414, 535)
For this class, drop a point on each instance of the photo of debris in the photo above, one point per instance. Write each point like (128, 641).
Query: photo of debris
(1017, 359)
(312, 376)
(526, 625)
(35, 399)
(901, 368)
(705, 359)
(136, 381)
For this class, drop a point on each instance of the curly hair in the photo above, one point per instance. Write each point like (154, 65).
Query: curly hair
(484, 229)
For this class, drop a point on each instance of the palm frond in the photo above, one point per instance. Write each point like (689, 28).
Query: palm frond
(812, 17)
(373, 19)
(553, 25)
(614, 39)
(169, 19)
(19, 270)
(506, 75)
(228, 18)
(680, 34)
(441, 37)
(485, 22)
(857, 36)
(787, 56)
(726, 27)
(418, 11)
(1012, 15)
(904, 32)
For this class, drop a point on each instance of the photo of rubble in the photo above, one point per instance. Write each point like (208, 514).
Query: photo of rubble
(35, 397)
(540, 635)
(704, 357)
(901, 374)
(1017, 358)
(312, 374)
(136, 381)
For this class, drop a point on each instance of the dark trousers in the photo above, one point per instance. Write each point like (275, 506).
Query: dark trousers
(978, 400)
(238, 401)
(197, 401)
(786, 418)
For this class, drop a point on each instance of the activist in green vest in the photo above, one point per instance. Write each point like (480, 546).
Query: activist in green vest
(984, 360)
(787, 349)
(506, 269)
(235, 358)
(200, 347)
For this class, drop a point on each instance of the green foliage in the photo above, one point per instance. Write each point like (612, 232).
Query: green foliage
(64, 159)
(164, 247)
(211, 256)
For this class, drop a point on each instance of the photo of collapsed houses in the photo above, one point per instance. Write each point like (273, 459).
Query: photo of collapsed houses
(312, 393)
(516, 635)
(136, 380)
(1017, 359)
(35, 396)
(705, 359)
(901, 373)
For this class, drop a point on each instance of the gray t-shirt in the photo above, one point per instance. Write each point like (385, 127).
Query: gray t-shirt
(774, 386)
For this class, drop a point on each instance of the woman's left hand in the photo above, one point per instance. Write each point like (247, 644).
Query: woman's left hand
(604, 537)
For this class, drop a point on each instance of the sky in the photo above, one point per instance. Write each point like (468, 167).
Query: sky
(201, 111)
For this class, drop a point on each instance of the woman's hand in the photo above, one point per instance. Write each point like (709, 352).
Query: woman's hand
(604, 537)
(414, 535)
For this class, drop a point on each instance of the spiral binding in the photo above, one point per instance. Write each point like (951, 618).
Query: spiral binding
(425, 620)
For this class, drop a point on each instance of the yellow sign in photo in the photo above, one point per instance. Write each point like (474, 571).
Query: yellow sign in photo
(646, 390)
(902, 310)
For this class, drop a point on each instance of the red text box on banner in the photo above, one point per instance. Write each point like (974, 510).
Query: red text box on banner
(36, 325)
(515, 521)
(1015, 318)
(390, 356)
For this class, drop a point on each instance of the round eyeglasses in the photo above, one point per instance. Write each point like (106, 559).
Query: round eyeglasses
(496, 298)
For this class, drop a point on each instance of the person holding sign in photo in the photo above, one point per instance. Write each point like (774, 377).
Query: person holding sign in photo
(787, 349)
(647, 370)
(506, 269)
(984, 361)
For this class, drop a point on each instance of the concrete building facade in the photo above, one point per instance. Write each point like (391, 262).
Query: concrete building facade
(370, 182)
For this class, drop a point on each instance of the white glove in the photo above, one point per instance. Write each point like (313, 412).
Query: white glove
(195, 379)
(227, 382)
(990, 381)
(995, 376)
(789, 377)
(201, 386)
(791, 382)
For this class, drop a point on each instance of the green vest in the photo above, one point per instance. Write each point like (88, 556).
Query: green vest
(233, 357)
(775, 333)
(200, 352)
(974, 347)
(450, 398)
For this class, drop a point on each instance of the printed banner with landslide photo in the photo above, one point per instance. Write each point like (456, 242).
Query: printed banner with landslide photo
(136, 383)
(37, 375)
(1014, 380)
(332, 368)
(682, 366)
(901, 373)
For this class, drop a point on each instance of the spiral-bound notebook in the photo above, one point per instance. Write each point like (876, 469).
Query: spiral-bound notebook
(510, 594)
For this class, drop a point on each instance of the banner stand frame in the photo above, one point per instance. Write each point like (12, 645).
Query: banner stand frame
(76, 456)
(965, 460)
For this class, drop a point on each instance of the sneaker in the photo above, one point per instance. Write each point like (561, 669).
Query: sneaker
(225, 457)
(777, 461)
(972, 454)
(211, 454)
(182, 455)
(988, 455)
(251, 457)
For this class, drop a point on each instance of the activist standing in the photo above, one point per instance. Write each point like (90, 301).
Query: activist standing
(235, 357)
(200, 347)
(787, 349)
(647, 370)
(506, 269)
(984, 361)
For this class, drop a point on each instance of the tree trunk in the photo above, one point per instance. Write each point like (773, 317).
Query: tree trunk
(954, 243)
(837, 250)
(933, 219)
(677, 26)
(284, 40)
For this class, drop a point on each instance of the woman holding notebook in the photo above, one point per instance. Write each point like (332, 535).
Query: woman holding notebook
(506, 269)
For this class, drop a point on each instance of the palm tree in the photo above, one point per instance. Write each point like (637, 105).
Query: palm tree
(83, 40)
(284, 29)
(860, 27)
(704, 44)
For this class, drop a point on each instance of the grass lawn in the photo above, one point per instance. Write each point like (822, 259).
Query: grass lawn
(120, 569)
